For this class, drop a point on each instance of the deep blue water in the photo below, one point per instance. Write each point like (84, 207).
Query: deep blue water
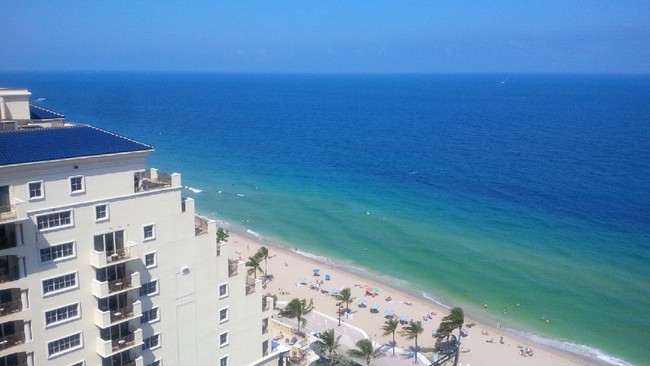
(528, 189)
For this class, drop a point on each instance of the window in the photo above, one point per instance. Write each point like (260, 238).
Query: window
(64, 344)
(35, 190)
(101, 212)
(151, 342)
(59, 283)
(77, 184)
(149, 288)
(223, 315)
(223, 361)
(62, 314)
(150, 260)
(57, 219)
(149, 316)
(155, 363)
(109, 242)
(148, 232)
(223, 339)
(223, 290)
(80, 363)
(57, 252)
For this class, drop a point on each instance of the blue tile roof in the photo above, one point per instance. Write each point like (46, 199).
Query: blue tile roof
(43, 144)
(36, 112)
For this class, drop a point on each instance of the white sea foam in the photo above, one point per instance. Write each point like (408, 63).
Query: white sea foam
(240, 195)
(254, 233)
(195, 190)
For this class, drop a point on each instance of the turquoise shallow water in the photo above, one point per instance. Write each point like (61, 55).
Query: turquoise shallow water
(519, 189)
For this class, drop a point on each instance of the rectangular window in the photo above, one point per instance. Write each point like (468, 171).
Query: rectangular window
(223, 361)
(149, 316)
(109, 242)
(148, 232)
(149, 288)
(64, 344)
(56, 252)
(223, 339)
(57, 219)
(101, 212)
(223, 315)
(150, 260)
(223, 290)
(59, 283)
(35, 190)
(151, 342)
(62, 314)
(80, 363)
(155, 363)
(77, 184)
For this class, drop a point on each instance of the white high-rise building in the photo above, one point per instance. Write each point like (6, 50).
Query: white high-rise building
(104, 262)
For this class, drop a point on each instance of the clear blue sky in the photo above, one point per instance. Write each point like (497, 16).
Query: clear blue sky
(573, 36)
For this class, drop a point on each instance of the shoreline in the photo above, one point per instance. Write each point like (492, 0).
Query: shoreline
(245, 242)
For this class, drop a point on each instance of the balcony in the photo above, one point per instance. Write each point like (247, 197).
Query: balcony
(12, 340)
(153, 179)
(9, 268)
(127, 358)
(233, 267)
(15, 359)
(108, 258)
(107, 348)
(8, 236)
(105, 319)
(11, 307)
(137, 362)
(107, 288)
(250, 285)
(8, 212)
(201, 225)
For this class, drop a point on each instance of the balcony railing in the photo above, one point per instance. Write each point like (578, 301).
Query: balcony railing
(8, 274)
(107, 288)
(110, 257)
(152, 179)
(8, 212)
(233, 266)
(10, 307)
(8, 241)
(12, 340)
(105, 319)
(106, 348)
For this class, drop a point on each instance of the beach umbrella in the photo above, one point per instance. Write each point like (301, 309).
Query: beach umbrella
(404, 318)
(375, 290)
(336, 291)
(374, 307)
(313, 284)
(389, 312)
(316, 270)
(327, 277)
(362, 301)
(302, 280)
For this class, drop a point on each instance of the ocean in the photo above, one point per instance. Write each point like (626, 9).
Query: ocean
(467, 189)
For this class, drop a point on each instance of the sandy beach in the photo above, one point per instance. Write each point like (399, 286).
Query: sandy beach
(484, 345)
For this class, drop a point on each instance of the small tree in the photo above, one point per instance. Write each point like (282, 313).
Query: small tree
(254, 265)
(365, 351)
(412, 331)
(390, 327)
(455, 319)
(263, 253)
(297, 308)
(345, 296)
(329, 342)
(222, 235)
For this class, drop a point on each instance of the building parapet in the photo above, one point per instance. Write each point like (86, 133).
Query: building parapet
(105, 319)
(152, 179)
(107, 288)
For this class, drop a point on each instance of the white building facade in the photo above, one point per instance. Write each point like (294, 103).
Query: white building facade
(104, 262)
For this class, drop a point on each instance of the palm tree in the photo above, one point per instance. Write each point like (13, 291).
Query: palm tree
(455, 319)
(222, 235)
(263, 253)
(412, 331)
(329, 342)
(297, 308)
(254, 264)
(390, 326)
(345, 296)
(365, 350)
